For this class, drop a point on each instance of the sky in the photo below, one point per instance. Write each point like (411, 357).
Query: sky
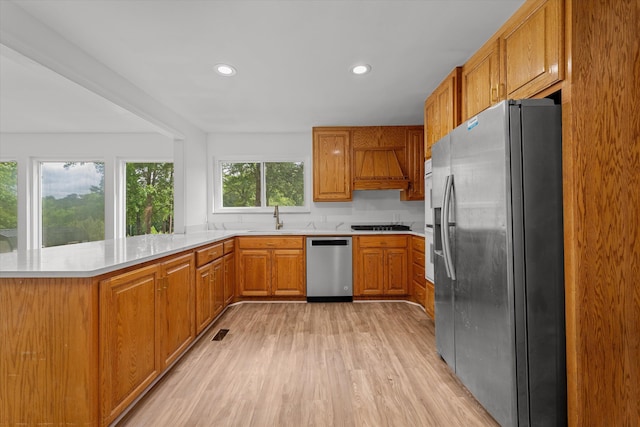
(60, 182)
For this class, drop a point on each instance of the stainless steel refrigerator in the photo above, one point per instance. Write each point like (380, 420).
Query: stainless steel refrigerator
(499, 278)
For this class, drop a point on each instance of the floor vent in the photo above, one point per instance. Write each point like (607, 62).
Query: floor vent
(220, 335)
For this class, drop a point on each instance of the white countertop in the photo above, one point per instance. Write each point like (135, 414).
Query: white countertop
(95, 258)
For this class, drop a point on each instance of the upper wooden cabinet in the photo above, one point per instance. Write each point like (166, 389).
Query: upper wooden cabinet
(442, 110)
(532, 47)
(481, 79)
(415, 164)
(367, 158)
(525, 57)
(331, 165)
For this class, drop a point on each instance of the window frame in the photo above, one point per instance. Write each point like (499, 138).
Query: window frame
(217, 184)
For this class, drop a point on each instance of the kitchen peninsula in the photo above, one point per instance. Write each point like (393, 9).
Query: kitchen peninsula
(88, 328)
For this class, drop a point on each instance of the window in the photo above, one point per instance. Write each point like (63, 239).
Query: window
(246, 185)
(149, 200)
(72, 202)
(8, 206)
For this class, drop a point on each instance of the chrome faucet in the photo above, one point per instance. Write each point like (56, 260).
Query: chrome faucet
(276, 215)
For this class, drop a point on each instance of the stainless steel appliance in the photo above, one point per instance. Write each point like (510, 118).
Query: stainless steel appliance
(329, 269)
(499, 282)
(428, 220)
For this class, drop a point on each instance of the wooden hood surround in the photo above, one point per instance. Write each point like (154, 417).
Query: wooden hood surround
(379, 158)
(379, 169)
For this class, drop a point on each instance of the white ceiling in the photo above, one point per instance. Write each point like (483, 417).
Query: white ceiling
(293, 58)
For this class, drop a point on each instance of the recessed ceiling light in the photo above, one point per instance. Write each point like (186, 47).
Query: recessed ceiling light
(361, 69)
(225, 70)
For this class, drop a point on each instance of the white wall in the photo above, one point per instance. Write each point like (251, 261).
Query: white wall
(371, 206)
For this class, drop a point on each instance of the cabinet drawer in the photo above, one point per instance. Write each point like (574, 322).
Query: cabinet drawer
(417, 244)
(228, 246)
(418, 258)
(271, 242)
(418, 273)
(382, 241)
(208, 254)
(419, 293)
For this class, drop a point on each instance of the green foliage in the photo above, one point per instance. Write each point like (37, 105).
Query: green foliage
(149, 198)
(242, 184)
(8, 195)
(285, 183)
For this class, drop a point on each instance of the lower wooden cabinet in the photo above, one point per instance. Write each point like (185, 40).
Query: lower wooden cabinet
(423, 291)
(381, 265)
(229, 262)
(271, 266)
(146, 321)
(176, 308)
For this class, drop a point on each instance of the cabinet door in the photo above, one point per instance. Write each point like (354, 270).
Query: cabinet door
(396, 277)
(229, 278)
(415, 165)
(176, 312)
(370, 272)
(129, 337)
(431, 124)
(331, 165)
(533, 49)
(288, 269)
(481, 80)
(217, 275)
(204, 297)
(254, 272)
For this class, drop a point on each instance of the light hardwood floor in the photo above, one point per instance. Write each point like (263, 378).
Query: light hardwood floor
(337, 364)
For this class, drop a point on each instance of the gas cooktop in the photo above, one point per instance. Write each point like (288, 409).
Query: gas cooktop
(381, 227)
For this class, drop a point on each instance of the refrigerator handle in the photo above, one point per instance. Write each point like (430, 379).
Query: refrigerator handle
(444, 229)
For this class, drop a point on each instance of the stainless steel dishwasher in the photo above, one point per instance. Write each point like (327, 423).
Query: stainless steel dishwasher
(329, 269)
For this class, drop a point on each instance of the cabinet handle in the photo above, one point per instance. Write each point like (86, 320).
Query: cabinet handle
(501, 92)
(494, 94)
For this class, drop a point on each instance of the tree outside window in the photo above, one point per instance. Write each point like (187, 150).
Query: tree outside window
(149, 198)
(262, 184)
(8, 206)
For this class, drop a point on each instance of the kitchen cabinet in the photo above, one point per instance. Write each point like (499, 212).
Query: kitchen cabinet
(532, 47)
(177, 308)
(415, 164)
(229, 261)
(146, 322)
(442, 111)
(481, 84)
(417, 270)
(209, 285)
(331, 165)
(129, 337)
(271, 266)
(381, 265)
(423, 288)
(525, 57)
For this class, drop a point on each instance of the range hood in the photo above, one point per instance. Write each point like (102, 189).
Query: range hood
(378, 169)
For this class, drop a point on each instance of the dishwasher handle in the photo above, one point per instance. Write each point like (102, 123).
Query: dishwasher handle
(337, 242)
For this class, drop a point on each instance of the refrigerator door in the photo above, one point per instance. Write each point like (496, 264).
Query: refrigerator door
(483, 291)
(445, 344)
